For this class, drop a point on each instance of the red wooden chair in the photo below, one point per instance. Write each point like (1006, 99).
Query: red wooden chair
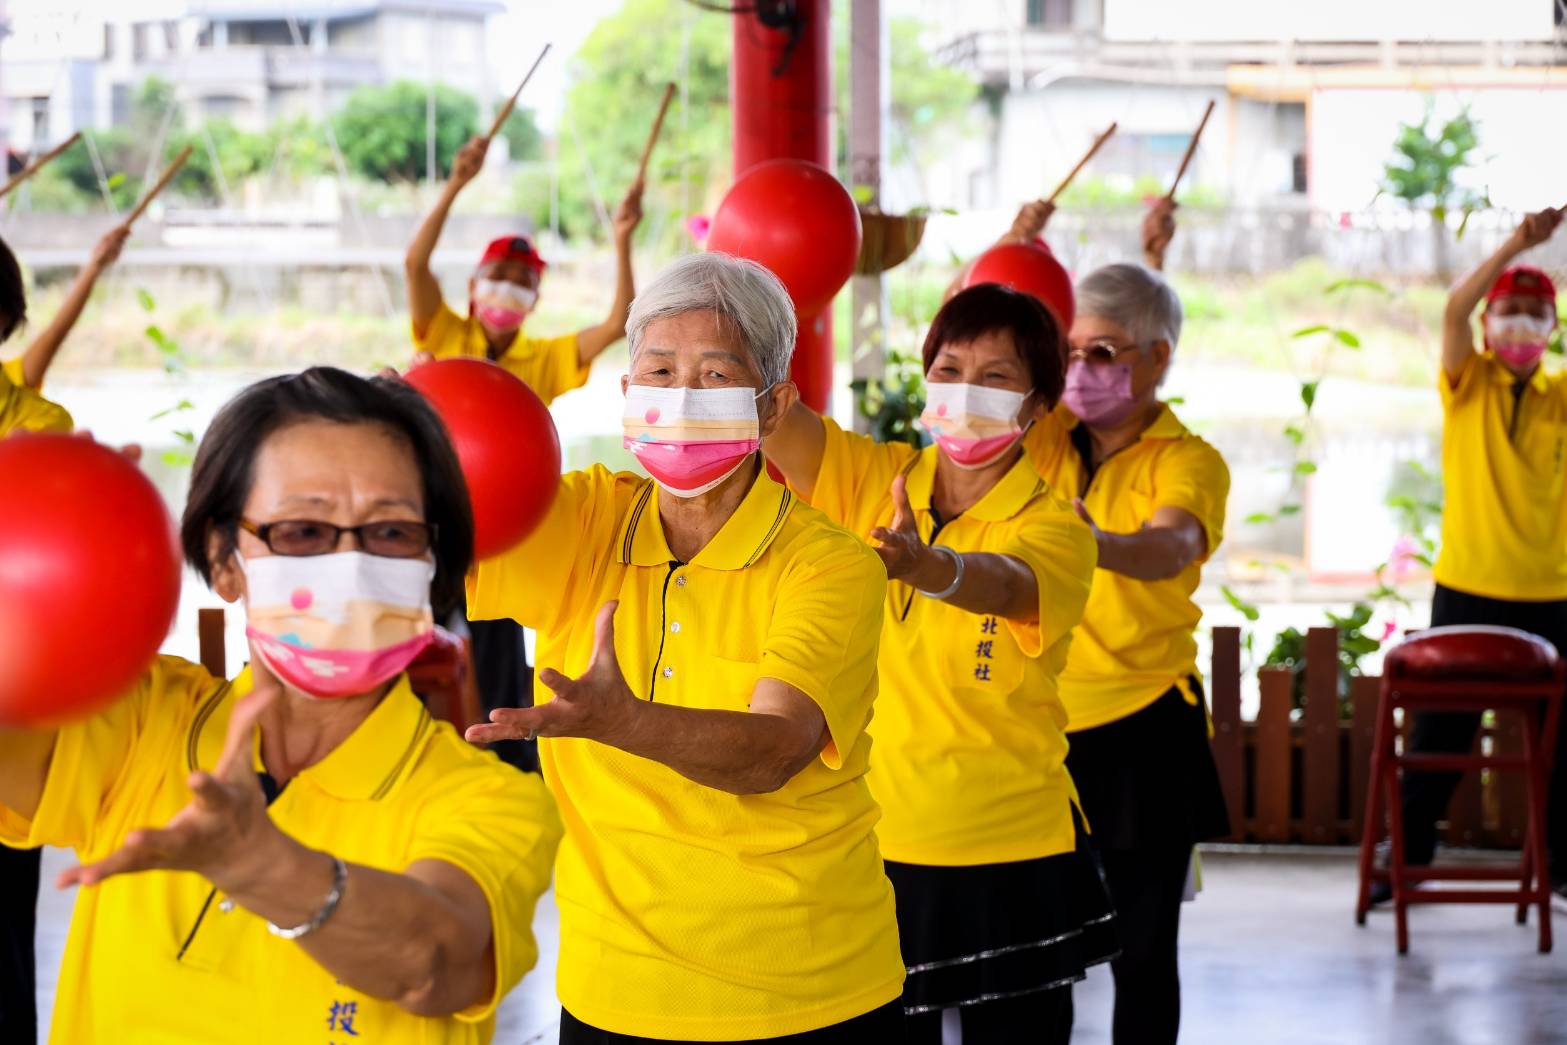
(1472, 669)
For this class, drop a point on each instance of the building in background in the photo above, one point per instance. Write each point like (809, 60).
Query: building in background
(1309, 95)
(71, 66)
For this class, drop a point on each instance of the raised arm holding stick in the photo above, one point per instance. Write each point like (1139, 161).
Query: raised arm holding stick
(34, 167)
(1159, 223)
(31, 367)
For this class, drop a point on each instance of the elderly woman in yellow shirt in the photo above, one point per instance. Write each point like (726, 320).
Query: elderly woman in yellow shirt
(710, 650)
(1000, 907)
(1155, 495)
(331, 862)
(1503, 559)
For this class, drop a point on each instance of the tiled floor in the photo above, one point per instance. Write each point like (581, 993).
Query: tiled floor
(1271, 956)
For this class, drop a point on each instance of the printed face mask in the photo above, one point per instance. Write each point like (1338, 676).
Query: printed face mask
(338, 625)
(972, 424)
(502, 305)
(691, 439)
(1518, 340)
(1100, 393)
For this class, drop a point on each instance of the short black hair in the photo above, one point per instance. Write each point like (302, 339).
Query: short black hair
(225, 463)
(989, 307)
(13, 294)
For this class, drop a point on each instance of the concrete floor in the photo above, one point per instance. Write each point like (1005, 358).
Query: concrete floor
(1270, 956)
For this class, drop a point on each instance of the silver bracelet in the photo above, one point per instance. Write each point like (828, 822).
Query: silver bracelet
(333, 898)
(957, 577)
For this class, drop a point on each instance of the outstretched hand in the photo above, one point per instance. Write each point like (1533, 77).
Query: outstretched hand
(628, 215)
(221, 833)
(469, 160)
(1158, 229)
(1538, 227)
(1030, 222)
(596, 704)
(903, 552)
(107, 250)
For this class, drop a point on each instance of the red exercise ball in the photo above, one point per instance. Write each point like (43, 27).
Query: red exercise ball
(505, 441)
(89, 577)
(797, 220)
(1031, 268)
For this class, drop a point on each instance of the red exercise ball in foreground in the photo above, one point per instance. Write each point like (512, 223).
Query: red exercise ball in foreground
(89, 577)
(1031, 268)
(505, 441)
(797, 220)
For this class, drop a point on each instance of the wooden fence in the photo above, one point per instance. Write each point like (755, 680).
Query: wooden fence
(1300, 776)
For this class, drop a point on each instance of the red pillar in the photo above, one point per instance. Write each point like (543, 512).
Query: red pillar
(781, 98)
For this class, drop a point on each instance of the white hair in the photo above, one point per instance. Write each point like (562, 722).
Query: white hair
(1133, 297)
(740, 291)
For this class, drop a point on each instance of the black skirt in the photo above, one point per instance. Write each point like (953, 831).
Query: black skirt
(977, 934)
(1149, 780)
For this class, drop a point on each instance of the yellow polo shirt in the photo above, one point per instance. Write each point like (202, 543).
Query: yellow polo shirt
(152, 959)
(551, 366)
(23, 409)
(969, 760)
(1138, 638)
(12, 368)
(1504, 514)
(687, 912)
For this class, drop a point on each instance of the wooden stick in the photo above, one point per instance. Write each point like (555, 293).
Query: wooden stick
(1081, 163)
(158, 186)
(1191, 149)
(652, 138)
(33, 168)
(505, 110)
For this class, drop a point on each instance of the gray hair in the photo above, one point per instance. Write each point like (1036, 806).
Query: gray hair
(1133, 297)
(740, 291)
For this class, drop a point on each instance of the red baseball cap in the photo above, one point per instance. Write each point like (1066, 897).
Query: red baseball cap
(1522, 281)
(513, 248)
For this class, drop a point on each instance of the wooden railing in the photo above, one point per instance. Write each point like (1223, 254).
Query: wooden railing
(1301, 777)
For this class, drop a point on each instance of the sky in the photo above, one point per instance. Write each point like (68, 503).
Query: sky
(517, 35)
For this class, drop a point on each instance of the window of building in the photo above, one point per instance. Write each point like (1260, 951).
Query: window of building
(120, 104)
(108, 41)
(1048, 14)
(40, 120)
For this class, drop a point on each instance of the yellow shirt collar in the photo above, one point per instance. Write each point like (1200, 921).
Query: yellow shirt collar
(1002, 501)
(1165, 424)
(1538, 382)
(366, 766)
(739, 543)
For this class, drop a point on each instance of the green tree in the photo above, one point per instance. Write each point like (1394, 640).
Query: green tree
(524, 141)
(927, 97)
(1424, 168)
(616, 77)
(382, 130)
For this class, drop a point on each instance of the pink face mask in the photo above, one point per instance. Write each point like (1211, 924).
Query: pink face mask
(338, 625)
(691, 439)
(502, 306)
(1518, 340)
(1099, 394)
(973, 425)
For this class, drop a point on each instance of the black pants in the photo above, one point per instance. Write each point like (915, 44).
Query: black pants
(1027, 1019)
(18, 922)
(1150, 791)
(504, 680)
(1426, 794)
(879, 1025)
(1147, 886)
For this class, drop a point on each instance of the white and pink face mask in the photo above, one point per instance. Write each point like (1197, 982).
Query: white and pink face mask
(502, 305)
(972, 424)
(691, 439)
(1518, 340)
(338, 625)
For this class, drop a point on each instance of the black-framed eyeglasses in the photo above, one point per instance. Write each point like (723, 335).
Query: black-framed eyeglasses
(1100, 352)
(391, 539)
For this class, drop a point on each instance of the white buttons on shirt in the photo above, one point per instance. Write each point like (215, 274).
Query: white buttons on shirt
(675, 628)
(680, 582)
(669, 672)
